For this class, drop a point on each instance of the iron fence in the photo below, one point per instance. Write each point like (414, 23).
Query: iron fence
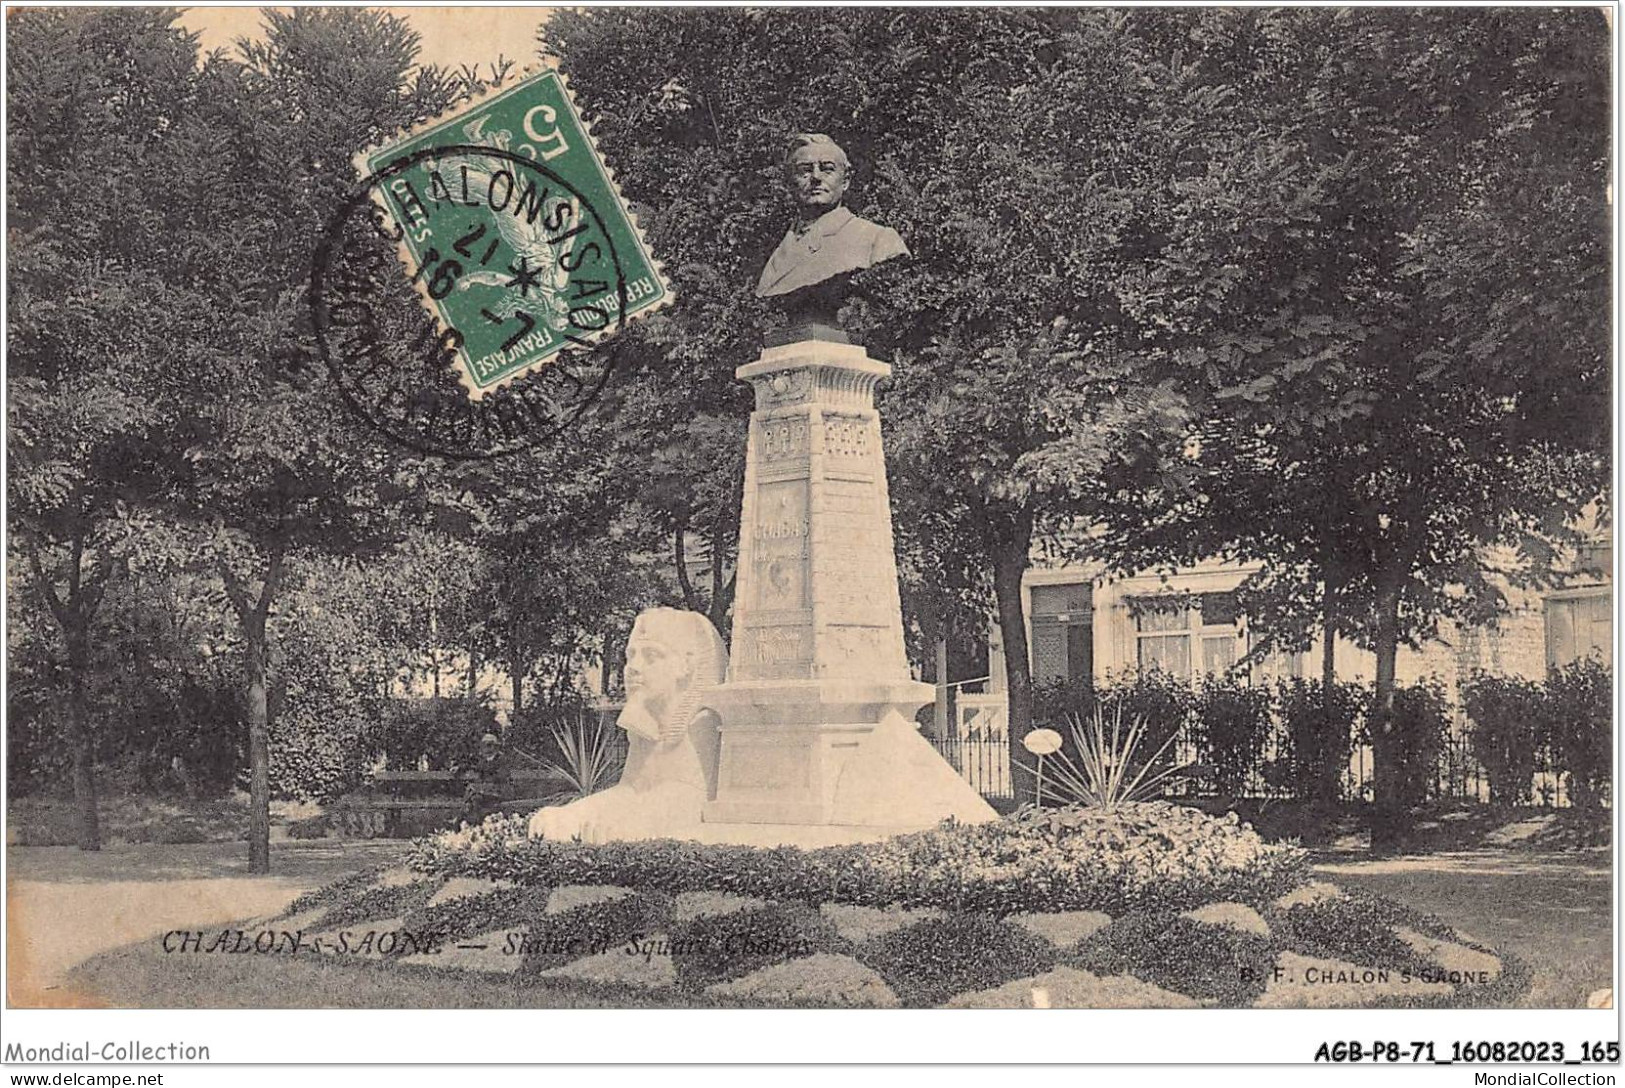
(984, 762)
(981, 755)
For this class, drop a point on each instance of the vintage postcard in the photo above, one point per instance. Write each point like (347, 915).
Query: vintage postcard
(850, 508)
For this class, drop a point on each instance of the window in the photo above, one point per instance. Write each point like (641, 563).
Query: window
(1063, 632)
(1175, 634)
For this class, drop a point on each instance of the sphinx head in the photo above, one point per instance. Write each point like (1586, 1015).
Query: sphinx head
(671, 658)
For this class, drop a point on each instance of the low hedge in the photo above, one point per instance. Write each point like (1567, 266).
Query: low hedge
(1144, 856)
(925, 961)
(931, 961)
(557, 939)
(487, 912)
(390, 901)
(1209, 963)
(337, 892)
(1359, 929)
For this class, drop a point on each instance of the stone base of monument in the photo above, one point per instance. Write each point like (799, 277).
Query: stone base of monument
(818, 744)
(831, 761)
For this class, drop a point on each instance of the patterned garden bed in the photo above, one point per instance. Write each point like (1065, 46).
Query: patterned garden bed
(1210, 917)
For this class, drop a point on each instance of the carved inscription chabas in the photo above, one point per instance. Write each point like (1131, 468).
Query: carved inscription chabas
(779, 545)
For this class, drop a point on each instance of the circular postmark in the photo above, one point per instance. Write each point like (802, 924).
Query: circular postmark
(403, 367)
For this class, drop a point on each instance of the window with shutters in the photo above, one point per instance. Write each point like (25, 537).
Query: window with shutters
(1063, 632)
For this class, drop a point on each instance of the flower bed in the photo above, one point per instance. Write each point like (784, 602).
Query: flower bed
(1151, 905)
(1140, 855)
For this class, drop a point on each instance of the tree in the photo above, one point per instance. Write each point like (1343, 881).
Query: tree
(1432, 381)
(275, 465)
(558, 568)
(95, 101)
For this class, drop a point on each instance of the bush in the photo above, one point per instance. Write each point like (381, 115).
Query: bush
(326, 698)
(178, 831)
(931, 961)
(336, 892)
(310, 827)
(1421, 721)
(317, 754)
(1320, 725)
(1138, 855)
(531, 730)
(1055, 702)
(471, 915)
(446, 731)
(1579, 711)
(1359, 929)
(125, 818)
(1162, 701)
(1209, 963)
(376, 904)
(1508, 726)
(1233, 724)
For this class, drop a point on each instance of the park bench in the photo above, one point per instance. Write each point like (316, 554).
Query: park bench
(404, 804)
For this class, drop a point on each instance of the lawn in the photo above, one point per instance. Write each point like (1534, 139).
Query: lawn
(1553, 911)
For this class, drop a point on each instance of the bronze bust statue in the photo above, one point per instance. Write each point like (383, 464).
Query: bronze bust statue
(806, 276)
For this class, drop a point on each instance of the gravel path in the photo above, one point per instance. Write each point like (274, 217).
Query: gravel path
(64, 906)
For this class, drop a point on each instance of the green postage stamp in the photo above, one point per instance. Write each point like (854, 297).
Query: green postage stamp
(513, 230)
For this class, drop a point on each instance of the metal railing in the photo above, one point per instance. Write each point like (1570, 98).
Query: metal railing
(978, 747)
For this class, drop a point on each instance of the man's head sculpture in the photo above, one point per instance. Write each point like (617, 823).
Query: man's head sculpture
(817, 172)
(807, 276)
(672, 657)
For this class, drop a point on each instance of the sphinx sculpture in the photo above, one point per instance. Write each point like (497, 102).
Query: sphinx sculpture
(672, 659)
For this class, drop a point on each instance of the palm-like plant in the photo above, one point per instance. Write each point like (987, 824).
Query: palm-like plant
(588, 760)
(1104, 775)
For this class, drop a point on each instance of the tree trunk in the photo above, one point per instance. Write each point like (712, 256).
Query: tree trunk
(1387, 792)
(434, 639)
(1326, 788)
(1009, 564)
(691, 599)
(1328, 627)
(722, 592)
(614, 661)
(259, 748)
(74, 613)
(516, 678)
(87, 821)
(253, 613)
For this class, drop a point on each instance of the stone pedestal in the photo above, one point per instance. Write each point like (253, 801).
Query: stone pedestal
(817, 714)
